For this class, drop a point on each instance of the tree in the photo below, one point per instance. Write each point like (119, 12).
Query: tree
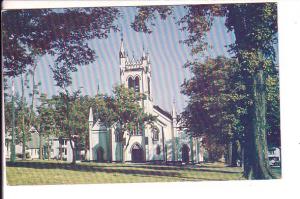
(65, 114)
(123, 110)
(215, 103)
(45, 123)
(79, 113)
(273, 109)
(255, 30)
(62, 33)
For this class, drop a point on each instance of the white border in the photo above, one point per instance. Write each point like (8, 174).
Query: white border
(27, 4)
(289, 33)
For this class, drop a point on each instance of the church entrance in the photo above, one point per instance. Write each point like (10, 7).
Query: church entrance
(185, 153)
(137, 154)
(100, 155)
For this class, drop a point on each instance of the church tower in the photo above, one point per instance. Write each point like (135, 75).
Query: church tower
(136, 74)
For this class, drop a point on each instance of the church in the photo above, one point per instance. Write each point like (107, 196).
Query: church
(163, 143)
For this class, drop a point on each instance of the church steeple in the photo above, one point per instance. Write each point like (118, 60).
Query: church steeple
(174, 115)
(91, 115)
(122, 50)
(98, 90)
(144, 54)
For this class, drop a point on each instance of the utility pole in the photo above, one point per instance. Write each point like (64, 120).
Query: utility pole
(13, 146)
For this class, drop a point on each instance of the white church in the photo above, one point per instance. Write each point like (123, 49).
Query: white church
(164, 143)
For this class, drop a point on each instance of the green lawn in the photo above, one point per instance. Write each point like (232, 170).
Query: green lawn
(36, 172)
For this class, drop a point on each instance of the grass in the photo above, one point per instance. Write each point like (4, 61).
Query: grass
(36, 172)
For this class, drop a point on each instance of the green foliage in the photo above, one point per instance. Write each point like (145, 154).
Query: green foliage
(63, 33)
(215, 102)
(273, 110)
(124, 110)
(46, 116)
(148, 14)
(255, 28)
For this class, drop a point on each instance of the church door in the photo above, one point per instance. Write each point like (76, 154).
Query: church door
(185, 153)
(137, 154)
(100, 154)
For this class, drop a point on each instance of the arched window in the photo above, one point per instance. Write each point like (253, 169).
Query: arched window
(130, 82)
(137, 84)
(155, 134)
(149, 86)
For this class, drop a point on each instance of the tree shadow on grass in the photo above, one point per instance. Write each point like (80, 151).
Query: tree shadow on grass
(91, 168)
(178, 168)
(136, 169)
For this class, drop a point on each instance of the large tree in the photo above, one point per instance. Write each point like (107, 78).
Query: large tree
(215, 103)
(124, 110)
(255, 30)
(62, 33)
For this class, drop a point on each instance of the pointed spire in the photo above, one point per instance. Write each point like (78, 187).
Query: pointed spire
(91, 115)
(132, 60)
(122, 50)
(98, 90)
(174, 115)
(144, 53)
(148, 56)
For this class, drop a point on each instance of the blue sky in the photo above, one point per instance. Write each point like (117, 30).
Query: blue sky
(166, 54)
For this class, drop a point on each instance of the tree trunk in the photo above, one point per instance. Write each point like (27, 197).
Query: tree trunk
(60, 148)
(229, 154)
(234, 154)
(41, 145)
(23, 122)
(49, 151)
(256, 156)
(73, 151)
(86, 147)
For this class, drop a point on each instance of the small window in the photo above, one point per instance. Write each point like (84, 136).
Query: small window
(137, 84)
(65, 151)
(155, 134)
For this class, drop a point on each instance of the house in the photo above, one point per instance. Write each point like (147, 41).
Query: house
(274, 155)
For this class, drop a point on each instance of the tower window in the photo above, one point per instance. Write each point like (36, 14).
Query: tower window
(130, 82)
(137, 84)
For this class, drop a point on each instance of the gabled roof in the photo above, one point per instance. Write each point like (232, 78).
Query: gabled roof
(165, 113)
(99, 126)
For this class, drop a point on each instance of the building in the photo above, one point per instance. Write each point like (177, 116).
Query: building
(165, 142)
(274, 156)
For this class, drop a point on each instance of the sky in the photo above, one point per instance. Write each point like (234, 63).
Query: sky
(167, 56)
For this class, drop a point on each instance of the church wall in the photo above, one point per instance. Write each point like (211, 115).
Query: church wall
(132, 141)
(164, 124)
(100, 141)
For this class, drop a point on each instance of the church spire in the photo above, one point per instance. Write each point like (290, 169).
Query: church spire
(91, 119)
(144, 53)
(174, 115)
(98, 90)
(122, 50)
